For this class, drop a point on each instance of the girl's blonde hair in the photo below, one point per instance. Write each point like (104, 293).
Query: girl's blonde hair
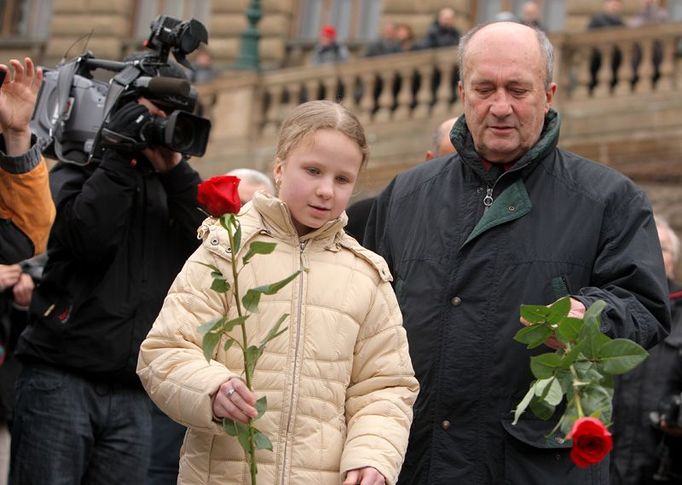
(305, 119)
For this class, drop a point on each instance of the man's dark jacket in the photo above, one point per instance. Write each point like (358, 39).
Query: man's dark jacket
(559, 225)
(121, 235)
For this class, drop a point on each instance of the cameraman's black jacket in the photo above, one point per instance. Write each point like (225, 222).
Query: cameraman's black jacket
(120, 237)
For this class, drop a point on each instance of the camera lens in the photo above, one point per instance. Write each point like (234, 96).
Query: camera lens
(183, 134)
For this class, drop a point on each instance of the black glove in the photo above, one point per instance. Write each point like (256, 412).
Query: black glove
(121, 131)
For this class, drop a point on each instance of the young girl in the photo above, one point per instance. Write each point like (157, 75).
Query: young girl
(339, 382)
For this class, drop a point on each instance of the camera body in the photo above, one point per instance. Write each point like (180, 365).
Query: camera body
(72, 106)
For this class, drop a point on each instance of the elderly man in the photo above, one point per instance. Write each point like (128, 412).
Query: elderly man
(510, 219)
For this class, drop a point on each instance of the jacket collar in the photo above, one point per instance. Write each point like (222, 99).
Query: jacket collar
(461, 138)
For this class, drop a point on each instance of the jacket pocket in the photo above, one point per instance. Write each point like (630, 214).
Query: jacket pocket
(533, 457)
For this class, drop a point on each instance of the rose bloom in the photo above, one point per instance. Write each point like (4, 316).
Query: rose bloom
(219, 195)
(591, 442)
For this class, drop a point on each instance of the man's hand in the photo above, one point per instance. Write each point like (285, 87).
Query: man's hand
(577, 311)
(18, 96)
(364, 476)
(234, 400)
(23, 290)
(161, 158)
(9, 275)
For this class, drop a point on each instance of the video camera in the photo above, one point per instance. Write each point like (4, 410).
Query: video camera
(72, 106)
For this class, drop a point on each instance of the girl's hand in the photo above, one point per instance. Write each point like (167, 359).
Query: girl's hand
(234, 400)
(364, 476)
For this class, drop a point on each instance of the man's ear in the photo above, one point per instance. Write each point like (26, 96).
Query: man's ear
(428, 155)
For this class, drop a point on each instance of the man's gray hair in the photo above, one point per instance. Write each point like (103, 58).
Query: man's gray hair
(253, 177)
(543, 41)
(674, 240)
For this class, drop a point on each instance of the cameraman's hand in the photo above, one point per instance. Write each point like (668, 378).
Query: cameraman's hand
(161, 158)
(122, 129)
(17, 100)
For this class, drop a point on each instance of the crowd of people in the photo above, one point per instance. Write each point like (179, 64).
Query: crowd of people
(398, 364)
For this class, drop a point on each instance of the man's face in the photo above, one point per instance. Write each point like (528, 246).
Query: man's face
(503, 91)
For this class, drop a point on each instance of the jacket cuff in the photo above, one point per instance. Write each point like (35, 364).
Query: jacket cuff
(179, 177)
(22, 163)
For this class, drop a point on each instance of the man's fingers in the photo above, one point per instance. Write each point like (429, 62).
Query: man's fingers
(30, 67)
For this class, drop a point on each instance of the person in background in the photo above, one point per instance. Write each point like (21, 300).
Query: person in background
(442, 33)
(510, 219)
(26, 207)
(387, 44)
(651, 13)
(609, 17)
(339, 383)
(441, 144)
(405, 37)
(126, 222)
(641, 445)
(358, 212)
(203, 70)
(252, 181)
(328, 49)
(531, 15)
(17, 282)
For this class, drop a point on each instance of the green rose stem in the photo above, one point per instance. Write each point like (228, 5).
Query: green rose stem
(247, 372)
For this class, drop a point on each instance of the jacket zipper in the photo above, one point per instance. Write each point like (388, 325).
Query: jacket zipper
(290, 423)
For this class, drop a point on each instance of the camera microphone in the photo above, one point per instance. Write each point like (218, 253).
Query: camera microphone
(164, 85)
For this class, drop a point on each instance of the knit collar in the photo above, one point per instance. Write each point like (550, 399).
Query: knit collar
(461, 138)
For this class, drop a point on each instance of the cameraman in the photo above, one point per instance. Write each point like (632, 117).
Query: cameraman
(26, 208)
(645, 450)
(125, 225)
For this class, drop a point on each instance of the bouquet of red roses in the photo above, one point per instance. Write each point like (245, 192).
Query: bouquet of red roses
(581, 370)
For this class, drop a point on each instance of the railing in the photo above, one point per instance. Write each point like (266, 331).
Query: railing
(411, 91)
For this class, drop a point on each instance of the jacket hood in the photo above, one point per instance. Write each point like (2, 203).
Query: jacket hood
(461, 138)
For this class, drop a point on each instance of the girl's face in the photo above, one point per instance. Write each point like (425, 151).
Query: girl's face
(318, 177)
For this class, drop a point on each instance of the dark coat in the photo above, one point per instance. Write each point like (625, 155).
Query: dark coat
(559, 224)
(636, 442)
(439, 36)
(120, 237)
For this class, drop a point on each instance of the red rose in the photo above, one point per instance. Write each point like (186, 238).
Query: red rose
(591, 442)
(219, 195)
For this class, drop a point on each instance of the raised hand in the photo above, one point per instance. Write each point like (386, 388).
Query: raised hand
(18, 95)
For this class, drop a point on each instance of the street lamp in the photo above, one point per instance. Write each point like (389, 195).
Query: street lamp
(248, 49)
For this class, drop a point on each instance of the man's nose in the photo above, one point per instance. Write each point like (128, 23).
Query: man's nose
(501, 106)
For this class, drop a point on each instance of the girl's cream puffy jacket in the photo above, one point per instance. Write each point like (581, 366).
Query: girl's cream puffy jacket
(339, 382)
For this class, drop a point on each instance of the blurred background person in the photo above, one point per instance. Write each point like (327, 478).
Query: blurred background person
(641, 449)
(387, 44)
(252, 181)
(610, 16)
(328, 49)
(442, 32)
(203, 69)
(531, 15)
(17, 282)
(358, 212)
(26, 207)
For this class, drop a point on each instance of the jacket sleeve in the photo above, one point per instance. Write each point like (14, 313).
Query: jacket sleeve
(381, 393)
(26, 206)
(171, 363)
(375, 229)
(628, 274)
(181, 184)
(94, 205)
